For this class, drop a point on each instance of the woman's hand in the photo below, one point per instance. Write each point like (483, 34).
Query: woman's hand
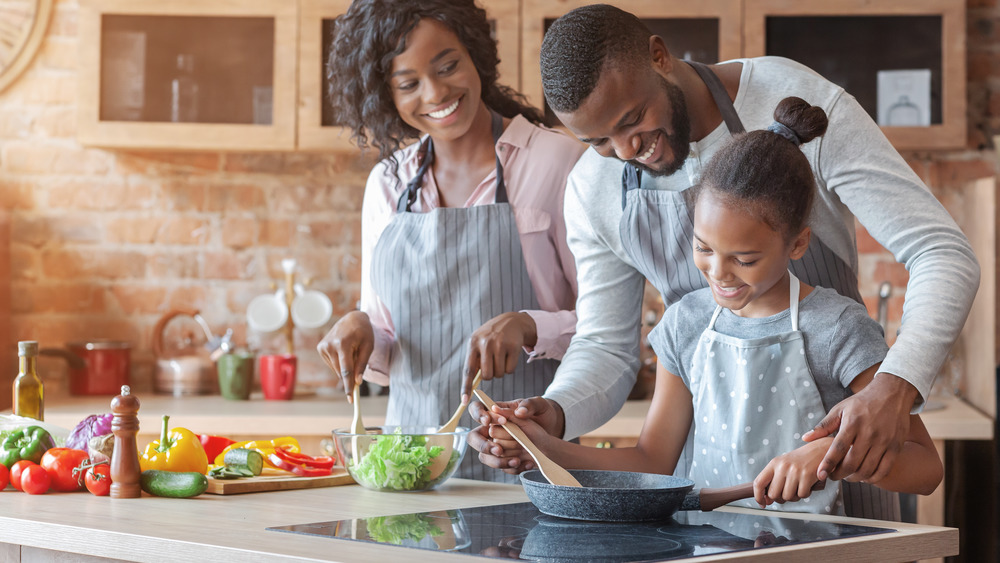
(347, 348)
(496, 346)
(792, 476)
(496, 447)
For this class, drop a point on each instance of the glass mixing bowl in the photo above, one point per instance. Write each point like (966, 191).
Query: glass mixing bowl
(400, 458)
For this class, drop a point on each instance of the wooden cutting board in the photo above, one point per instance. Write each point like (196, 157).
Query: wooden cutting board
(277, 483)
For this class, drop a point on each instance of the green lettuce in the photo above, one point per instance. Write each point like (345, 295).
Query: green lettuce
(396, 462)
(396, 529)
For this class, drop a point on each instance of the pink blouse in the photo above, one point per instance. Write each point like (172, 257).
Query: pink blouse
(535, 162)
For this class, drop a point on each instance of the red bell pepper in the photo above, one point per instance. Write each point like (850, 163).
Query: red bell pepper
(214, 445)
(298, 469)
(320, 462)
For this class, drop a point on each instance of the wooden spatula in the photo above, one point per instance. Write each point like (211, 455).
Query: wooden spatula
(452, 423)
(550, 469)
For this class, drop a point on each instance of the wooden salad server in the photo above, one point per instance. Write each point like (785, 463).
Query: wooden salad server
(552, 471)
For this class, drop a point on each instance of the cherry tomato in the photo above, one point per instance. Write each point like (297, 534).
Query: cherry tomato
(60, 463)
(15, 472)
(35, 480)
(4, 476)
(99, 479)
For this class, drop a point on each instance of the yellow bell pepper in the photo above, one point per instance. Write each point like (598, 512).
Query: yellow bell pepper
(265, 447)
(176, 450)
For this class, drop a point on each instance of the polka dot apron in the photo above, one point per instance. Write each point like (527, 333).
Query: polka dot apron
(753, 400)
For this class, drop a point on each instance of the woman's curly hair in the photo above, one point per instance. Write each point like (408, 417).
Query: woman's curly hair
(371, 34)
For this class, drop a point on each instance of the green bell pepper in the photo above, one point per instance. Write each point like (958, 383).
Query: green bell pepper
(26, 443)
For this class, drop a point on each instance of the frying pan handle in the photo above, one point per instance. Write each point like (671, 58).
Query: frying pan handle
(711, 499)
(714, 498)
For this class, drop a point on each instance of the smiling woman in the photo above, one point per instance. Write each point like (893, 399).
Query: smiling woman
(465, 264)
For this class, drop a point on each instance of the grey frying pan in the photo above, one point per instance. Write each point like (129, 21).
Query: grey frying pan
(624, 496)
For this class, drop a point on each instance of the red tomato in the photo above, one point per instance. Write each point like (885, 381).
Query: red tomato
(15, 472)
(4, 476)
(35, 480)
(60, 463)
(99, 479)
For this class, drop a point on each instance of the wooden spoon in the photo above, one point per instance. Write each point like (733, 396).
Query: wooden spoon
(357, 427)
(550, 469)
(452, 423)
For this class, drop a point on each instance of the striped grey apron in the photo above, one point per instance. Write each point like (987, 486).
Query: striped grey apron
(656, 231)
(442, 274)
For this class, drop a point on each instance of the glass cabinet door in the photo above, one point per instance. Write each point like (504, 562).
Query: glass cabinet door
(188, 75)
(903, 61)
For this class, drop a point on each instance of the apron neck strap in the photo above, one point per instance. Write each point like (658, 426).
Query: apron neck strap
(632, 175)
(720, 96)
(793, 304)
(793, 299)
(426, 154)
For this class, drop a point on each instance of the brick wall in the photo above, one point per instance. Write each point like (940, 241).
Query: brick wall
(104, 242)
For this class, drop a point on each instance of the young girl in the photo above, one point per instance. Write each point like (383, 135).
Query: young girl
(464, 256)
(754, 360)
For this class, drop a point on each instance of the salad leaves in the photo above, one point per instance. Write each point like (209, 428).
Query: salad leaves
(396, 462)
(397, 529)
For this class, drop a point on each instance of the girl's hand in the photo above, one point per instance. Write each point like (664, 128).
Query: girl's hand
(496, 346)
(496, 447)
(509, 448)
(347, 348)
(790, 477)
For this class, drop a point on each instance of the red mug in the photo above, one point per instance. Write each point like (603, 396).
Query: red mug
(277, 376)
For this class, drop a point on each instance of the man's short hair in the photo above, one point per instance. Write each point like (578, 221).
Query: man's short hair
(578, 45)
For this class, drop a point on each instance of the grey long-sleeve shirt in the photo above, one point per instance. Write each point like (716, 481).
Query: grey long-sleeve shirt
(859, 174)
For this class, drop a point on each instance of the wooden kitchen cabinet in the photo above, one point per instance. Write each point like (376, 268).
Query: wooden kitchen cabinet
(188, 74)
(316, 127)
(708, 31)
(863, 46)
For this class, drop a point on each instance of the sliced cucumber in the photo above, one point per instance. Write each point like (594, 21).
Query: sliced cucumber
(244, 458)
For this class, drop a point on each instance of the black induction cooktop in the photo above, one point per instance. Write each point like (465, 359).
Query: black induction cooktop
(520, 531)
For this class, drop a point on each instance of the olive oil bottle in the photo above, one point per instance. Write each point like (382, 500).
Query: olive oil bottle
(29, 395)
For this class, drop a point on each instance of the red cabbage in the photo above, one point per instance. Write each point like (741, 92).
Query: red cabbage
(93, 425)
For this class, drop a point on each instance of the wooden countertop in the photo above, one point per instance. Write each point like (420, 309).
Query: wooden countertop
(211, 414)
(317, 416)
(232, 528)
(956, 420)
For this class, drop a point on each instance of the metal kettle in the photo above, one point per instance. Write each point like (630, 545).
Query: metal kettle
(191, 371)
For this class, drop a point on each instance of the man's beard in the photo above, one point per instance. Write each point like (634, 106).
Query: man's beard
(680, 141)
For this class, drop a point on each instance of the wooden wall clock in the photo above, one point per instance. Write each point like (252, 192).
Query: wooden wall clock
(22, 27)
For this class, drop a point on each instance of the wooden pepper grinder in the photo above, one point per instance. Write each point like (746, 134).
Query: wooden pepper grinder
(125, 469)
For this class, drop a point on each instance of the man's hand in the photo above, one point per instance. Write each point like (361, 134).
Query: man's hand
(496, 447)
(496, 347)
(347, 348)
(870, 428)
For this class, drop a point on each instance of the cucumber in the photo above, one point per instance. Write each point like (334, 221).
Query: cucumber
(173, 484)
(227, 472)
(243, 458)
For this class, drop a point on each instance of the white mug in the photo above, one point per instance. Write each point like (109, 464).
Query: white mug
(267, 313)
(311, 309)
